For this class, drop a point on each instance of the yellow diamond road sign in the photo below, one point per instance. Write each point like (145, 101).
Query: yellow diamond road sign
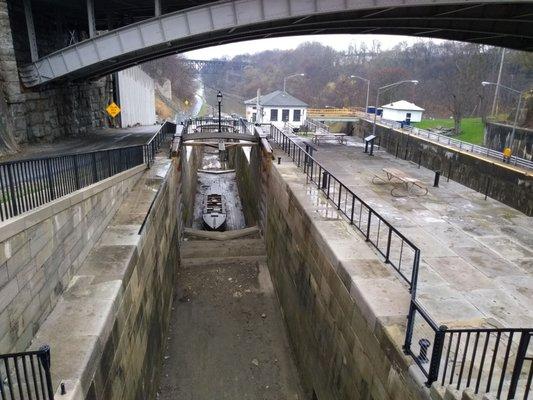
(113, 109)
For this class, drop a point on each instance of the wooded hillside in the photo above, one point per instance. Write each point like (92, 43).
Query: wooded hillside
(450, 76)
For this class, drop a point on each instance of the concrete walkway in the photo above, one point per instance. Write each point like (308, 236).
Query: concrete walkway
(477, 255)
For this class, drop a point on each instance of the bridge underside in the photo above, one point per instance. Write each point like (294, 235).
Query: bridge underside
(484, 22)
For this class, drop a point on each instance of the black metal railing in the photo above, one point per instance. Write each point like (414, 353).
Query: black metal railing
(497, 360)
(26, 375)
(398, 251)
(30, 183)
(487, 360)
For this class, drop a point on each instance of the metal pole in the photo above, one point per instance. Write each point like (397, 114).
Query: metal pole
(219, 122)
(90, 18)
(496, 92)
(367, 94)
(157, 8)
(375, 114)
(284, 83)
(511, 140)
(31, 30)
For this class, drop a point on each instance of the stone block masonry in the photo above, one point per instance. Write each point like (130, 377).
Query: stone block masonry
(503, 182)
(43, 114)
(345, 310)
(107, 332)
(41, 250)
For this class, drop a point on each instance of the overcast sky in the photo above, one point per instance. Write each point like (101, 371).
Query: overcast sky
(339, 42)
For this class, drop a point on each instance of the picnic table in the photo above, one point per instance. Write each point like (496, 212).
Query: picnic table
(401, 180)
(340, 137)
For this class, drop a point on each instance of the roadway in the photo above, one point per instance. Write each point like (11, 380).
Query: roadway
(96, 139)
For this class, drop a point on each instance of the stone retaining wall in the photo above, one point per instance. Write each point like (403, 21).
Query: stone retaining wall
(108, 331)
(42, 249)
(345, 310)
(511, 186)
(248, 175)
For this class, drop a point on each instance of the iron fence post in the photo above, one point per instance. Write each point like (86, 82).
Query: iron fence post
(76, 172)
(519, 362)
(368, 225)
(44, 359)
(389, 238)
(353, 205)
(95, 171)
(12, 189)
(50, 180)
(436, 355)
(109, 162)
(409, 327)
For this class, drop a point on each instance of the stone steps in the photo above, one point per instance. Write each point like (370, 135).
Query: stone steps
(221, 249)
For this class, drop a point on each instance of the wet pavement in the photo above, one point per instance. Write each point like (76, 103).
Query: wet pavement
(95, 139)
(477, 255)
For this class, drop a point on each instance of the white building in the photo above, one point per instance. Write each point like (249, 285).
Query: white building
(402, 111)
(136, 97)
(277, 107)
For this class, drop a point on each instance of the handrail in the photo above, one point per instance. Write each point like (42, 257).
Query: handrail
(26, 375)
(397, 250)
(460, 144)
(29, 183)
(487, 359)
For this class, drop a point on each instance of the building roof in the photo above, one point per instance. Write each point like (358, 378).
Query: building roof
(402, 105)
(277, 98)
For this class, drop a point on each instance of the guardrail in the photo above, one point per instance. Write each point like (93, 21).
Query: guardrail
(397, 250)
(30, 183)
(26, 375)
(461, 145)
(484, 359)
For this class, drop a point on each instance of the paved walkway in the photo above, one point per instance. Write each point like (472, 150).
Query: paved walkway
(477, 255)
(96, 139)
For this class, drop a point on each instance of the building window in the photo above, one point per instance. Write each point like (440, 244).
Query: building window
(297, 115)
(285, 115)
(408, 115)
(254, 117)
(274, 114)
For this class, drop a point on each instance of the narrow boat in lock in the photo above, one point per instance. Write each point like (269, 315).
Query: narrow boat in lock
(214, 212)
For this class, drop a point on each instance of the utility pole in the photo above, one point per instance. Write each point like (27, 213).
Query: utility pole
(494, 110)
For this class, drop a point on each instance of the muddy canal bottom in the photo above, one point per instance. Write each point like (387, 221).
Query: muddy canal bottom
(227, 338)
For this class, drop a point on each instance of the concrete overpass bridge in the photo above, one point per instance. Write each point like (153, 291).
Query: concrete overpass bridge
(124, 33)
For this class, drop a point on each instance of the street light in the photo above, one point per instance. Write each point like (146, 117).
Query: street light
(387, 87)
(288, 77)
(367, 88)
(511, 139)
(219, 98)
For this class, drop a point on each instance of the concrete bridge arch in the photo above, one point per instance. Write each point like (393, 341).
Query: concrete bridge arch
(485, 21)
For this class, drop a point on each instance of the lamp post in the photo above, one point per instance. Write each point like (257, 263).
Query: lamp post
(288, 77)
(219, 98)
(387, 87)
(511, 139)
(367, 89)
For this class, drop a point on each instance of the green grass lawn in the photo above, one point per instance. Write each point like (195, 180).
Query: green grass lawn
(471, 128)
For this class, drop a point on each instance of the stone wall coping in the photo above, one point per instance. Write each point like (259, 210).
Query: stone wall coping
(81, 323)
(381, 296)
(15, 225)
